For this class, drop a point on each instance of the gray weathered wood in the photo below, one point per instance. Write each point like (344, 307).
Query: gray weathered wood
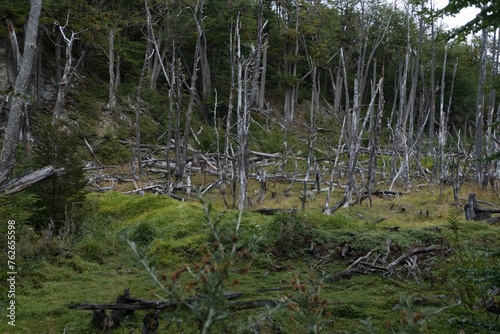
(19, 96)
(474, 212)
(19, 184)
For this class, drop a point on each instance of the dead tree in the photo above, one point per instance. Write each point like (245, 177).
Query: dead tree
(312, 133)
(197, 13)
(68, 72)
(479, 132)
(20, 92)
(374, 144)
(248, 73)
(356, 123)
(114, 69)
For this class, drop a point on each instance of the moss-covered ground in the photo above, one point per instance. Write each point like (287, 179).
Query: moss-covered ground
(96, 264)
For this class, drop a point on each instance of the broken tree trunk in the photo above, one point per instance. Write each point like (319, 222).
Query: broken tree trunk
(475, 212)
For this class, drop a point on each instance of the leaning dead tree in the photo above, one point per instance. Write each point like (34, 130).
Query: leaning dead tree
(20, 95)
(19, 184)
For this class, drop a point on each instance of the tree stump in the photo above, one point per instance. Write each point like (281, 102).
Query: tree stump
(104, 321)
(123, 299)
(473, 212)
(150, 323)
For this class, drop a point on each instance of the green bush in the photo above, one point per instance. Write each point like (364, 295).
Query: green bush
(92, 250)
(143, 233)
(110, 151)
(289, 234)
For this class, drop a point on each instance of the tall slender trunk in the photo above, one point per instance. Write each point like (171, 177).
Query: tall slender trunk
(479, 131)
(312, 133)
(442, 119)
(113, 76)
(20, 91)
(432, 105)
(198, 17)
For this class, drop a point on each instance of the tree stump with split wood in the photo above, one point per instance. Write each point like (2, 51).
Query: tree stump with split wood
(473, 212)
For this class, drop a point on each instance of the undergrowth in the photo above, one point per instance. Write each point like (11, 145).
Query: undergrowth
(199, 250)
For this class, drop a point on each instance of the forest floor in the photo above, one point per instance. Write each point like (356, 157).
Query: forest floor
(298, 257)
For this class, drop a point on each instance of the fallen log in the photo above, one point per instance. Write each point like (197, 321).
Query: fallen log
(19, 184)
(129, 303)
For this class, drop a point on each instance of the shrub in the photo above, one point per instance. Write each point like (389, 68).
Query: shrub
(143, 233)
(91, 250)
(288, 234)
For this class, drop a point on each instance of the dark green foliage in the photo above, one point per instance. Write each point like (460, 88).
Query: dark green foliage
(110, 151)
(15, 11)
(488, 17)
(18, 205)
(347, 311)
(56, 196)
(143, 233)
(92, 250)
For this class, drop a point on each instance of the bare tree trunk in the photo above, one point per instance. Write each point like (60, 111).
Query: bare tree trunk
(248, 74)
(206, 78)
(374, 145)
(198, 17)
(138, 103)
(311, 137)
(328, 210)
(491, 109)
(432, 106)
(19, 98)
(442, 120)
(113, 77)
(243, 120)
(478, 136)
(410, 106)
(68, 73)
(229, 121)
(14, 58)
(262, 87)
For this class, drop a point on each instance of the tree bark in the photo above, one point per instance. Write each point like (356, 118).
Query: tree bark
(17, 185)
(19, 96)
(479, 131)
(113, 76)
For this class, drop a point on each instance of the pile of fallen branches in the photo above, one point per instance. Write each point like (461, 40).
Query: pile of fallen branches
(413, 263)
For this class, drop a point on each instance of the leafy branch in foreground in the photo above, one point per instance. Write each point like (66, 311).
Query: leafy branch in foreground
(208, 278)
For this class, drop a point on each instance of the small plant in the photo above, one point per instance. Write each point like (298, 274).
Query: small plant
(310, 308)
(288, 233)
(411, 321)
